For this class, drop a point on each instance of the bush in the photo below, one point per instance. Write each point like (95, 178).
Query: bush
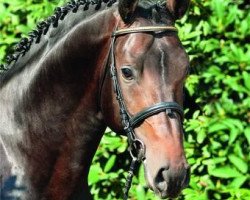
(216, 34)
(218, 137)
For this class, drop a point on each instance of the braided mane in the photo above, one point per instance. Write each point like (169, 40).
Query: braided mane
(34, 36)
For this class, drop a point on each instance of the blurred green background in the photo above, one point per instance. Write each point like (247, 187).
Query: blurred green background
(216, 35)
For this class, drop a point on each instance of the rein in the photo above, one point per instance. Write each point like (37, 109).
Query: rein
(136, 146)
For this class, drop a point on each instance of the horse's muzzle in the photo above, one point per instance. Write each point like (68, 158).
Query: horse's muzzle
(169, 181)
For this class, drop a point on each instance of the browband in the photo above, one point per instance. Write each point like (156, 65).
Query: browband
(144, 29)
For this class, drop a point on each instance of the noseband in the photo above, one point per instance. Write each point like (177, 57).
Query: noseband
(136, 146)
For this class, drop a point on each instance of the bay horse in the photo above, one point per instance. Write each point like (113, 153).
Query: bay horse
(91, 65)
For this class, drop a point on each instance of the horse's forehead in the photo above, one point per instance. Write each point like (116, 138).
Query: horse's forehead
(143, 44)
(137, 44)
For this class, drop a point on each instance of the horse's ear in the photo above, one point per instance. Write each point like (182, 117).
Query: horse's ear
(178, 7)
(126, 9)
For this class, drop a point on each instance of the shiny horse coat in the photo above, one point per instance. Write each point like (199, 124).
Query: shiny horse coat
(56, 98)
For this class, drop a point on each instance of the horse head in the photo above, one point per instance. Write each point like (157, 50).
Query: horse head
(150, 66)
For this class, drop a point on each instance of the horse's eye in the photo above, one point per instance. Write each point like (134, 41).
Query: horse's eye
(127, 73)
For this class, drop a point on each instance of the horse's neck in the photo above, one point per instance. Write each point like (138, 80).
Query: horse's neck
(65, 73)
(55, 108)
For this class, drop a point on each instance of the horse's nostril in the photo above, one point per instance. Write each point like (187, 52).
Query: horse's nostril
(161, 182)
(170, 181)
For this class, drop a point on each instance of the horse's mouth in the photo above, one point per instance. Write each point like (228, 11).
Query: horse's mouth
(168, 189)
(166, 193)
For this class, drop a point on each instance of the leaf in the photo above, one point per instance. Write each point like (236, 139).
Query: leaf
(94, 174)
(213, 161)
(238, 182)
(196, 114)
(246, 78)
(110, 163)
(247, 134)
(219, 8)
(197, 10)
(225, 172)
(141, 175)
(233, 135)
(238, 163)
(210, 45)
(140, 192)
(194, 194)
(217, 127)
(201, 136)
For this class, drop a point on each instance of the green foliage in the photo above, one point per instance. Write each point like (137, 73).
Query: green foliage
(216, 34)
(217, 135)
(18, 17)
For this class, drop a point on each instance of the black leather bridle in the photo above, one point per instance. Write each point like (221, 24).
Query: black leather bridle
(136, 146)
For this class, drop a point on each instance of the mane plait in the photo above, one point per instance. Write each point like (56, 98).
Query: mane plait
(42, 27)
